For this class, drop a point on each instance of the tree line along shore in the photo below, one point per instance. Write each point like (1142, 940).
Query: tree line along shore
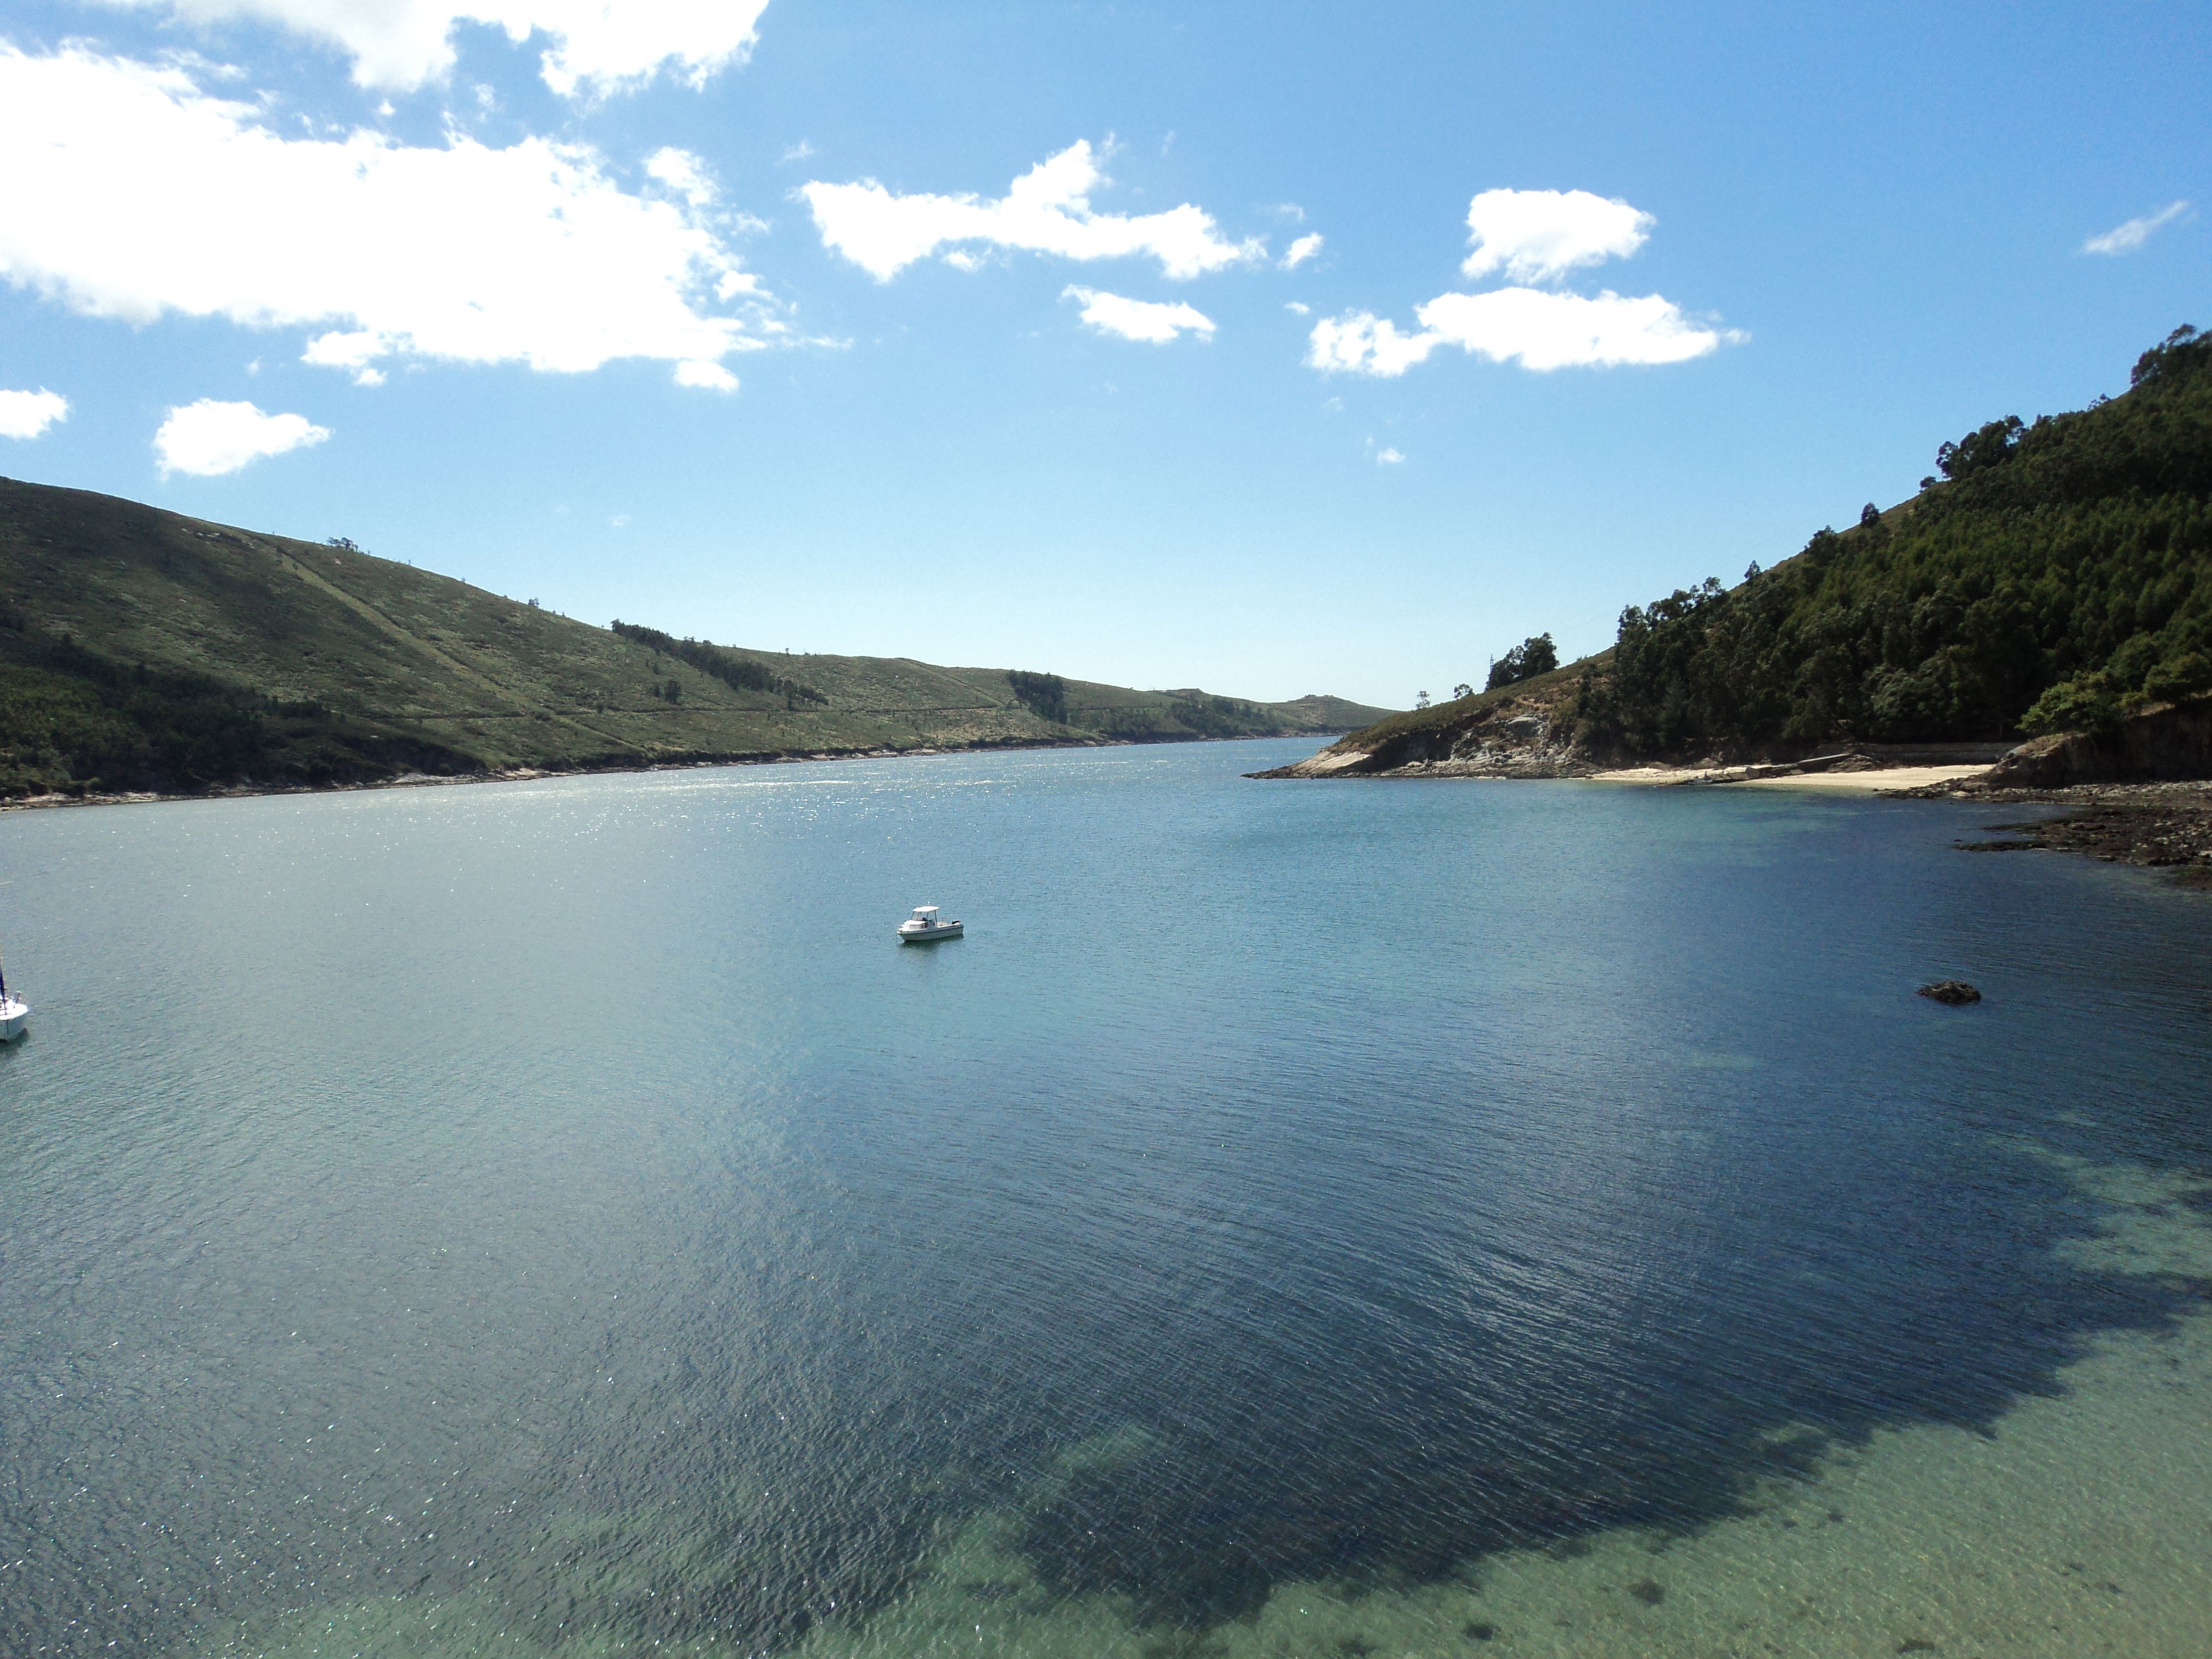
(2047, 591)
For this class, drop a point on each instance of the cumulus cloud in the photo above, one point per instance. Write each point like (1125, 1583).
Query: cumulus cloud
(1139, 320)
(711, 376)
(1046, 210)
(531, 254)
(207, 439)
(1539, 235)
(1533, 236)
(1301, 250)
(28, 414)
(1538, 329)
(682, 173)
(1359, 343)
(2127, 238)
(596, 46)
(1389, 457)
(1544, 331)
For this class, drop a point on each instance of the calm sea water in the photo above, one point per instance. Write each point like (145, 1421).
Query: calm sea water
(556, 1217)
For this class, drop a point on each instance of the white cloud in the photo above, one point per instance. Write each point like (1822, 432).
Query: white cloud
(529, 254)
(1139, 320)
(2127, 238)
(1298, 308)
(1046, 210)
(341, 350)
(711, 376)
(1302, 250)
(1568, 331)
(207, 439)
(1358, 343)
(1541, 331)
(1539, 235)
(797, 152)
(1533, 236)
(597, 46)
(1387, 457)
(28, 414)
(682, 173)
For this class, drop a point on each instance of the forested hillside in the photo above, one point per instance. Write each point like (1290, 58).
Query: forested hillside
(2057, 575)
(141, 650)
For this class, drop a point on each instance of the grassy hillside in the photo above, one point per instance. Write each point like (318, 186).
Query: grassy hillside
(143, 650)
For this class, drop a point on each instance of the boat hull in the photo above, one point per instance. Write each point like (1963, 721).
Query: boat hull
(14, 1019)
(929, 935)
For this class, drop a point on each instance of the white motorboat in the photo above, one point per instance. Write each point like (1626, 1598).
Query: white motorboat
(15, 1013)
(925, 927)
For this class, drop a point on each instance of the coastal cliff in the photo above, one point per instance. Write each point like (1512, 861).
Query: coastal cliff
(2170, 742)
(1523, 731)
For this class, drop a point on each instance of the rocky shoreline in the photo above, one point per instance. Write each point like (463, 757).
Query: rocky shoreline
(1517, 737)
(2158, 826)
(2134, 796)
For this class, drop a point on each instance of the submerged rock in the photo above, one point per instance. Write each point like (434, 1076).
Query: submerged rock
(1952, 991)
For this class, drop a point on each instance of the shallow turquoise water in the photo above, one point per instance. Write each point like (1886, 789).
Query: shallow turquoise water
(560, 1213)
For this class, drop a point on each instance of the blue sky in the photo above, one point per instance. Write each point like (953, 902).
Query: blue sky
(730, 319)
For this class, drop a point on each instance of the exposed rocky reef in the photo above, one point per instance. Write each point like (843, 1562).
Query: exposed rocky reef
(1953, 992)
(2159, 826)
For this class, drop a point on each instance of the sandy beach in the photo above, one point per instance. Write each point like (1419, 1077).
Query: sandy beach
(1876, 781)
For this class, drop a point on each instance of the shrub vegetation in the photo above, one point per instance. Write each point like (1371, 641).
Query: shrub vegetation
(736, 670)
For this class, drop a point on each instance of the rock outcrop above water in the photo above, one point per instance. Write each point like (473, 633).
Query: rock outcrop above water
(2156, 826)
(1525, 732)
(2163, 744)
(1953, 992)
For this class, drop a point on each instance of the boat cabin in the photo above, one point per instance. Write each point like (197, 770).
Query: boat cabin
(926, 925)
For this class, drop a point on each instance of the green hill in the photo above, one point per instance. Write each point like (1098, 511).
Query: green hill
(2057, 577)
(140, 649)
